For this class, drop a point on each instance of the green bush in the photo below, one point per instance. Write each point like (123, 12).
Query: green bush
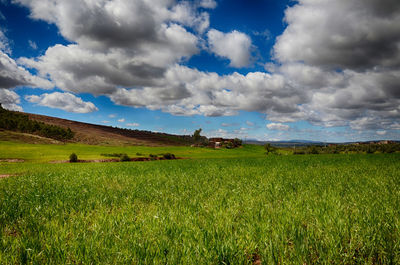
(125, 158)
(73, 158)
(169, 156)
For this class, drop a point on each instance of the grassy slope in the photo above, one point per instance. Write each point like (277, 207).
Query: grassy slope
(46, 152)
(339, 209)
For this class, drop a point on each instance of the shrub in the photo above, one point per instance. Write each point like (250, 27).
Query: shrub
(73, 158)
(169, 156)
(270, 149)
(125, 158)
(314, 150)
(153, 157)
(229, 145)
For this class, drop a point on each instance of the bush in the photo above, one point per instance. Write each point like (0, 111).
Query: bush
(169, 156)
(73, 158)
(125, 158)
(229, 145)
(270, 149)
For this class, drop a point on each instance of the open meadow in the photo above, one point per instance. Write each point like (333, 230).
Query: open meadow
(234, 206)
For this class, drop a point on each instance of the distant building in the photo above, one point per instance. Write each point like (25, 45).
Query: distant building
(220, 142)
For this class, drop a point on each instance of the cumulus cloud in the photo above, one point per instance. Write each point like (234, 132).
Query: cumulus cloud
(121, 120)
(236, 46)
(64, 101)
(12, 75)
(10, 100)
(278, 126)
(366, 35)
(208, 4)
(328, 71)
(349, 68)
(189, 92)
(113, 24)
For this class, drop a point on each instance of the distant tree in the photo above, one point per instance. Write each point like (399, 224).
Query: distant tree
(237, 142)
(196, 135)
(269, 149)
(314, 150)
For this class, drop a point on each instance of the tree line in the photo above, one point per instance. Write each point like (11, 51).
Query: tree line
(14, 121)
(363, 148)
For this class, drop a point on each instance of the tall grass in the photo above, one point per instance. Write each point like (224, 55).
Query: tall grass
(280, 209)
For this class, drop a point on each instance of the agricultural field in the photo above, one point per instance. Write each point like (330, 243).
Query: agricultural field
(234, 206)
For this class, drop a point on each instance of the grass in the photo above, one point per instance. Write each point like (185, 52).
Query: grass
(46, 152)
(311, 209)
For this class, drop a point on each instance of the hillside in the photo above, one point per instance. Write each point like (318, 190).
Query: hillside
(106, 135)
(97, 134)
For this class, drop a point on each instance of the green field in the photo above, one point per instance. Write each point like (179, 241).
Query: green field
(224, 206)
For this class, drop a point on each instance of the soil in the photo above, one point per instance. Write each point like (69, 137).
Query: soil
(12, 160)
(7, 175)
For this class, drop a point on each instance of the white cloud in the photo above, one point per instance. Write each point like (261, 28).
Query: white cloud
(329, 71)
(278, 126)
(348, 68)
(10, 100)
(4, 44)
(133, 124)
(366, 35)
(208, 4)
(105, 122)
(64, 101)
(381, 132)
(121, 120)
(249, 123)
(224, 124)
(12, 75)
(33, 45)
(234, 45)
(112, 116)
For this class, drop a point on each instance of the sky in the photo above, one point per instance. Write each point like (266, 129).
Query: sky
(317, 70)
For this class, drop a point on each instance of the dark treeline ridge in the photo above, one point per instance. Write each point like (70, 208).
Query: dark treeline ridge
(369, 148)
(14, 121)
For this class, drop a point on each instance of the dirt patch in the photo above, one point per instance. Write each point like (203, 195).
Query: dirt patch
(11, 232)
(12, 160)
(256, 259)
(7, 175)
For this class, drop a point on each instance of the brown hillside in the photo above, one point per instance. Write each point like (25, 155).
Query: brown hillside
(106, 135)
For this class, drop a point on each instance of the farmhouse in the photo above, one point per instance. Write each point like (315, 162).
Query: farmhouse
(222, 142)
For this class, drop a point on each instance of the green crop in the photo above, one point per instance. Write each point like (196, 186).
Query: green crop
(311, 209)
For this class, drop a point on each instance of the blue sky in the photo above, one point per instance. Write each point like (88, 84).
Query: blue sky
(260, 69)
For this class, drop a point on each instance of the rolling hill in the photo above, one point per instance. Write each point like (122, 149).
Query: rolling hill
(94, 134)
